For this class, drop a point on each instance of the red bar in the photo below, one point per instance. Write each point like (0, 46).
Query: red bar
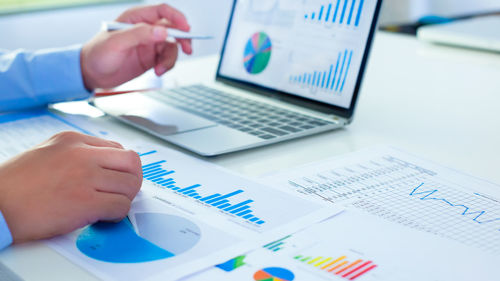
(357, 268)
(363, 272)
(106, 94)
(337, 266)
(349, 266)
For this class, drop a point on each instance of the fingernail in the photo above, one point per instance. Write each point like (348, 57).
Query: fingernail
(160, 70)
(159, 33)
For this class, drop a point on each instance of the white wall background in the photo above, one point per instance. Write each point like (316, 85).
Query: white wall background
(395, 11)
(71, 26)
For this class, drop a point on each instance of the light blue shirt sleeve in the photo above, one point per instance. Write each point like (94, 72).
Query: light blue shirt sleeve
(32, 79)
(5, 236)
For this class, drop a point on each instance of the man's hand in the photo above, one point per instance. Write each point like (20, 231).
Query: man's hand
(65, 183)
(113, 58)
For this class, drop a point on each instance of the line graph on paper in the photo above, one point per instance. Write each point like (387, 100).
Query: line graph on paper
(407, 194)
(441, 209)
(477, 216)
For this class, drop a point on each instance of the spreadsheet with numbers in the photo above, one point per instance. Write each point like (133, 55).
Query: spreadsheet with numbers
(405, 189)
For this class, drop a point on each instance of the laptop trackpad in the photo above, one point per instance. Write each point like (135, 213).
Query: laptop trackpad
(165, 120)
(150, 114)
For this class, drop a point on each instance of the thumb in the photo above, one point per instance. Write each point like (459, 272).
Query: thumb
(140, 34)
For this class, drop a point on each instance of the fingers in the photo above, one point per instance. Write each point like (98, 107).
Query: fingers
(109, 207)
(154, 13)
(176, 18)
(95, 141)
(186, 46)
(160, 15)
(119, 160)
(74, 137)
(140, 34)
(166, 58)
(117, 182)
(163, 22)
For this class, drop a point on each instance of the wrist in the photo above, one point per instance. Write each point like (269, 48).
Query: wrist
(88, 80)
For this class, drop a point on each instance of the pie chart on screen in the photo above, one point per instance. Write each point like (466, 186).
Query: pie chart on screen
(273, 274)
(257, 53)
(158, 236)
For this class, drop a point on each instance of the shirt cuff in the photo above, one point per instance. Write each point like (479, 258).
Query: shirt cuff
(5, 236)
(57, 75)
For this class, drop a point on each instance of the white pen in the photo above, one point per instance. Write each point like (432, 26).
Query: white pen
(172, 33)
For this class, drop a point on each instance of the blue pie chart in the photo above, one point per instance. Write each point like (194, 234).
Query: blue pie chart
(158, 236)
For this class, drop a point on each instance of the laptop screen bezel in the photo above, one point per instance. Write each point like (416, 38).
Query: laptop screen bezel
(322, 107)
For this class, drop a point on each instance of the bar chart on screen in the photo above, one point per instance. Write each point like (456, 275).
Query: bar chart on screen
(347, 13)
(332, 79)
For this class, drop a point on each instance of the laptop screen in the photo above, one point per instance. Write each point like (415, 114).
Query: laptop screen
(313, 49)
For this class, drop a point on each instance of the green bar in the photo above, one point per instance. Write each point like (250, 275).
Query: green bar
(305, 259)
(238, 261)
(277, 241)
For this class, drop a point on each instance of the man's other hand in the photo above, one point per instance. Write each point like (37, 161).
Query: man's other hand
(65, 183)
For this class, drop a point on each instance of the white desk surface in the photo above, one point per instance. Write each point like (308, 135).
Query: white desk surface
(437, 102)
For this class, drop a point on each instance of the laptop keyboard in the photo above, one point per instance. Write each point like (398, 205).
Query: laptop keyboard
(255, 118)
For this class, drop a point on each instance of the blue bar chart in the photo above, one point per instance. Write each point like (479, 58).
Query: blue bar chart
(342, 12)
(156, 173)
(331, 79)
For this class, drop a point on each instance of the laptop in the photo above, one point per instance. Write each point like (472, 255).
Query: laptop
(287, 69)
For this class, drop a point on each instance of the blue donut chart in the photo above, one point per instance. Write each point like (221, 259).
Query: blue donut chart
(160, 236)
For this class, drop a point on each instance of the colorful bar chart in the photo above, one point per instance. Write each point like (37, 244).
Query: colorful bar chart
(277, 245)
(342, 12)
(155, 172)
(339, 266)
(232, 264)
(332, 79)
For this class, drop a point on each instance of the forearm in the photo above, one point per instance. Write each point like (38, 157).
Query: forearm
(31, 79)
